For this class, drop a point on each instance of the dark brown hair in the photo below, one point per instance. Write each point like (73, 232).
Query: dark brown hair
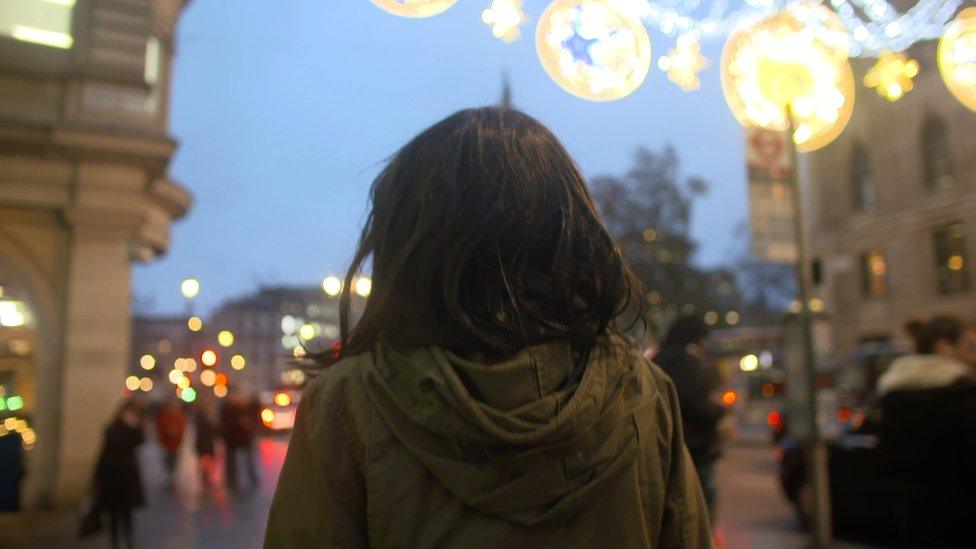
(926, 334)
(483, 237)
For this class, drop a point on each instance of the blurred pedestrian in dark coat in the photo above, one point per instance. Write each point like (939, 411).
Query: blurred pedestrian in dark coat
(118, 484)
(239, 423)
(697, 384)
(207, 427)
(928, 435)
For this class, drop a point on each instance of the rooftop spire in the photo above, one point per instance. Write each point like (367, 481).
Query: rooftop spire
(506, 99)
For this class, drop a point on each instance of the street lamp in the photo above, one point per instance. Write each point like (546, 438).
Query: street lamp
(331, 285)
(190, 287)
(786, 74)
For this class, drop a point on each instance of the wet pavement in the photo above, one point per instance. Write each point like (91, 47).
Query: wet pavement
(752, 513)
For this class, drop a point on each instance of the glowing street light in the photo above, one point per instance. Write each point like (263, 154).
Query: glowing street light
(307, 332)
(749, 363)
(225, 338)
(331, 285)
(190, 287)
(238, 362)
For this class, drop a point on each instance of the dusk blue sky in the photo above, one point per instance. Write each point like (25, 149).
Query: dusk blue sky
(286, 110)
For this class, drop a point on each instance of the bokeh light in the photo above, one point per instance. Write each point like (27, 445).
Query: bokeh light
(147, 362)
(414, 8)
(209, 358)
(208, 378)
(225, 338)
(190, 287)
(194, 323)
(238, 362)
(749, 363)
(188, 394)
(780, 63)
(331, 285)
(132, 383)
(363, 286)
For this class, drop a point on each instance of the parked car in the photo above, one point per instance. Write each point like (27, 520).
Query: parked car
(860, 495)
(278, 409)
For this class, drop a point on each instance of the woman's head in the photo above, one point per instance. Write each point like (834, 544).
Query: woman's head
(944, 335)
(483, 236)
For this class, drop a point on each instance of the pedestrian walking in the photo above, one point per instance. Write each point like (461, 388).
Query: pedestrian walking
(170, 428)
(118, 483)
(487, 396)
(697, 384)
(928, 434)
(207, 427)
(239, 423)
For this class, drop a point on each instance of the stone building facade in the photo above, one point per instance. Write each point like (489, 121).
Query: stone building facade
(84, 192)
(893, 200)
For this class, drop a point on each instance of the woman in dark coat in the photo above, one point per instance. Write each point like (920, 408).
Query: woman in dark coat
(118, 485)
(928, 437)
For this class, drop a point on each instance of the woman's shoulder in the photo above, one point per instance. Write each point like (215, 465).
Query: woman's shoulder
(338, 385)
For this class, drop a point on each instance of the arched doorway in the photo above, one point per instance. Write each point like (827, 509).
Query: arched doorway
(18, 383)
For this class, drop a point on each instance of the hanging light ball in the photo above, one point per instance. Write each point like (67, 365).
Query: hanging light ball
(957, 57)
(776, 65)
(592, 50)
(414, 8)
(822, 24)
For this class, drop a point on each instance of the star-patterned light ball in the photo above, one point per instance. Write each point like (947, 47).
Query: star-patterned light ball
(957, 57)
(892, 75)
(592, 50)
(777, 66)
(683, 63)
(414, 8)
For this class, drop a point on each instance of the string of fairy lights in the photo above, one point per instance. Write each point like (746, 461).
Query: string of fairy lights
(780, 56)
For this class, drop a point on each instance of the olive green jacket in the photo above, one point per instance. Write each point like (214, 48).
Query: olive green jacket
(428, 449)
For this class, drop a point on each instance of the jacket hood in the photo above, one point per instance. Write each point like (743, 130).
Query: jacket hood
(530, 439)
(915, 372)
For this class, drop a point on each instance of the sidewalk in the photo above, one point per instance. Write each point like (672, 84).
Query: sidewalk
(186, 516)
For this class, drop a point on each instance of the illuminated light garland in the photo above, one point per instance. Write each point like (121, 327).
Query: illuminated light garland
(892, 75)
(683, 63)
(873, 25)
(592, 50)
(504, 18)
(774, 65)
(957, 57)
(414, 8)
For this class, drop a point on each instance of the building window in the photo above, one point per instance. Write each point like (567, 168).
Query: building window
(44, 22)
(951, 259)
(874, 274)
(862, 179)
(936, 158)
